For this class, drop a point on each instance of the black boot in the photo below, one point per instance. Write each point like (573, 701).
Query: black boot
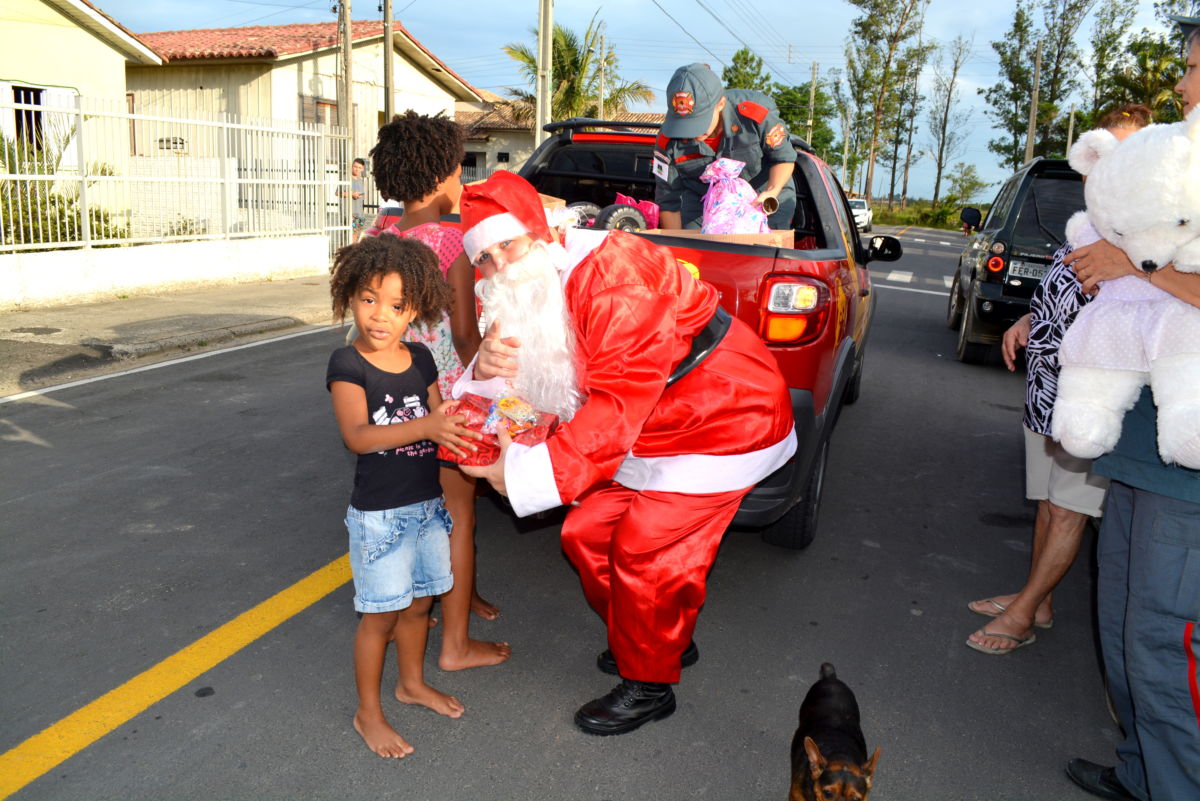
(607, 664)
(629, 705)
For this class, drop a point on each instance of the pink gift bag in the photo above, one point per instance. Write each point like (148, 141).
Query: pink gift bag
(729, 206)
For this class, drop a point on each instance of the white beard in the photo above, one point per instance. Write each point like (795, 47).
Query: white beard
(526, 298)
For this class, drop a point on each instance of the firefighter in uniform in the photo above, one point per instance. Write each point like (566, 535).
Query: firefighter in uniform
(704, 122)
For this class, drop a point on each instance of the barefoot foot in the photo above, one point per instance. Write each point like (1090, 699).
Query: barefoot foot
(478, 653)
(381, 737)
(426, 696)
(483, 609)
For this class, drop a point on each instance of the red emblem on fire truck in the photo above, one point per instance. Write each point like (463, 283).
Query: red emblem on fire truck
(683, 103)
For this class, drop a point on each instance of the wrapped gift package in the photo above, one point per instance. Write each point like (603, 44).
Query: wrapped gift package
(524, 424)
(729, 206)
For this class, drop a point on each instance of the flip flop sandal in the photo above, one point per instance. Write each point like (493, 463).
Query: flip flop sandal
(1001, 609)
(1020, 642)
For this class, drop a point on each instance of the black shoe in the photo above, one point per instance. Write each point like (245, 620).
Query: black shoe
(629, 705)
(1098, 780)
(607, 664)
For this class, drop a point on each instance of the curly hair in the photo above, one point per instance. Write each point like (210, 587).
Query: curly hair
(1131, 115)
(356, 266)
(415, 153)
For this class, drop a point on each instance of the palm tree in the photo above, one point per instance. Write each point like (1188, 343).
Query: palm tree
(1150, 77)
(576, 76)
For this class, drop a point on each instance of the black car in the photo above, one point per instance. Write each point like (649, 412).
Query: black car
(1007, 256)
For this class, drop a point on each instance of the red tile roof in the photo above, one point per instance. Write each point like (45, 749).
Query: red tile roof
(256, 41)
(270, 41)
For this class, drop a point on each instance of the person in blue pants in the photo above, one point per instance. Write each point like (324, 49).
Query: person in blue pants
(1148, 590)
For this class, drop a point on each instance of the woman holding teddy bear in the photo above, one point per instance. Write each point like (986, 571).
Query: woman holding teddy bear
(1148, 590)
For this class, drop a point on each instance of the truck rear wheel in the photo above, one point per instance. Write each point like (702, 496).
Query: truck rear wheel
(798, 527)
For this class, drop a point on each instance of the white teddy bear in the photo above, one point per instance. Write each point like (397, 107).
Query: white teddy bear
(1144, 197)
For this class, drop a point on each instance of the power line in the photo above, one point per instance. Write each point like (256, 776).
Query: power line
(685, 30)
(731, 33)
(752, 19)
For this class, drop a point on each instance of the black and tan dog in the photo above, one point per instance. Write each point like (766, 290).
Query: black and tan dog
(829, 754)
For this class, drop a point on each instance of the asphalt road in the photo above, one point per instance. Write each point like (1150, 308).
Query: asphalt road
(142, 512)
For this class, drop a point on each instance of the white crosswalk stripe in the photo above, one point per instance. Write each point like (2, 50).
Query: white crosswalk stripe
(885, 280)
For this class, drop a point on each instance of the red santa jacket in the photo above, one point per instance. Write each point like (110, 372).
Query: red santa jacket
(726, 425)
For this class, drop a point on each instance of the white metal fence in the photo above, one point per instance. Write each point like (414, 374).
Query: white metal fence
(79, 172)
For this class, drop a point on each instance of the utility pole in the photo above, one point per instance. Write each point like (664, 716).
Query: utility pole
(545, 72)
(1037, 73)
(388, 88)
(602, 55)
(812, 98)
(1071, 128)
(346, 106)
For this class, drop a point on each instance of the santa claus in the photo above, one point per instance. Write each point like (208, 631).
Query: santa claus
(671, 409)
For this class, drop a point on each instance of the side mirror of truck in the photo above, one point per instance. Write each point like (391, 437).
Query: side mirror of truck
(884, 248)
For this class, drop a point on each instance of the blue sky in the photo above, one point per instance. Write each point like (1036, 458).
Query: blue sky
(651, 37)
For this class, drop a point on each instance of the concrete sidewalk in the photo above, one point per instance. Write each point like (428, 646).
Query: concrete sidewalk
(48, 345)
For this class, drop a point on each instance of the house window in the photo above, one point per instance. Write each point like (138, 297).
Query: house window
(502, 158)
(474, 167)
(319, 110)
(29, 121)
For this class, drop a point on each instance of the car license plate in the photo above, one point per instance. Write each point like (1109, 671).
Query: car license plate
(1027, 269)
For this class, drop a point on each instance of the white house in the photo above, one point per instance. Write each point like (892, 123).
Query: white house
(291, 72)
(57, 50)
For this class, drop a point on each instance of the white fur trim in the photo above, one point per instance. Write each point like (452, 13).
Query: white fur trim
(529, 478)
(697, 473)
(489, 231)
(578, 244)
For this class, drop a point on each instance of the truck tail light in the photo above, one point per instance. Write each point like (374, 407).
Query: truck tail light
(795, 309)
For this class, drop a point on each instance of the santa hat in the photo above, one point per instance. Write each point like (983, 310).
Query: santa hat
(503, 206)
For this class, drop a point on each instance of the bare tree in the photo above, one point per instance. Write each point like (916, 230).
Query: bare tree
(1113, 19)
(948, 129)
(879, 35)
(1061, 62)
(905, 110)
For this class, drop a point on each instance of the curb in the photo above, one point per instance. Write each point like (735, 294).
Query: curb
(122, 351)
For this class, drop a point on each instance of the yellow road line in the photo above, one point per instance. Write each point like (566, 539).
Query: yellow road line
(903, 230)
(51, 747)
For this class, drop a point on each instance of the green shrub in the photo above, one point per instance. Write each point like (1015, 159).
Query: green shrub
(50, 217)
(32, 213)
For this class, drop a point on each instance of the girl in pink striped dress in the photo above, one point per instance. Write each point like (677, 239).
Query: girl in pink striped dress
(418, 160)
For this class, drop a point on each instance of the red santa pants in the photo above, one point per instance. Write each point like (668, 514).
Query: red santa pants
(643, 559)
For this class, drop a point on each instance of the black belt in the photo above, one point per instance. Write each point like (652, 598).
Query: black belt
(703, 343)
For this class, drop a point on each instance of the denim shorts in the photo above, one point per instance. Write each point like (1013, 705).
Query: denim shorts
(399, 554)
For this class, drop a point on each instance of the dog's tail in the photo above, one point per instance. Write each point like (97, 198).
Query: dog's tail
(827, 671)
